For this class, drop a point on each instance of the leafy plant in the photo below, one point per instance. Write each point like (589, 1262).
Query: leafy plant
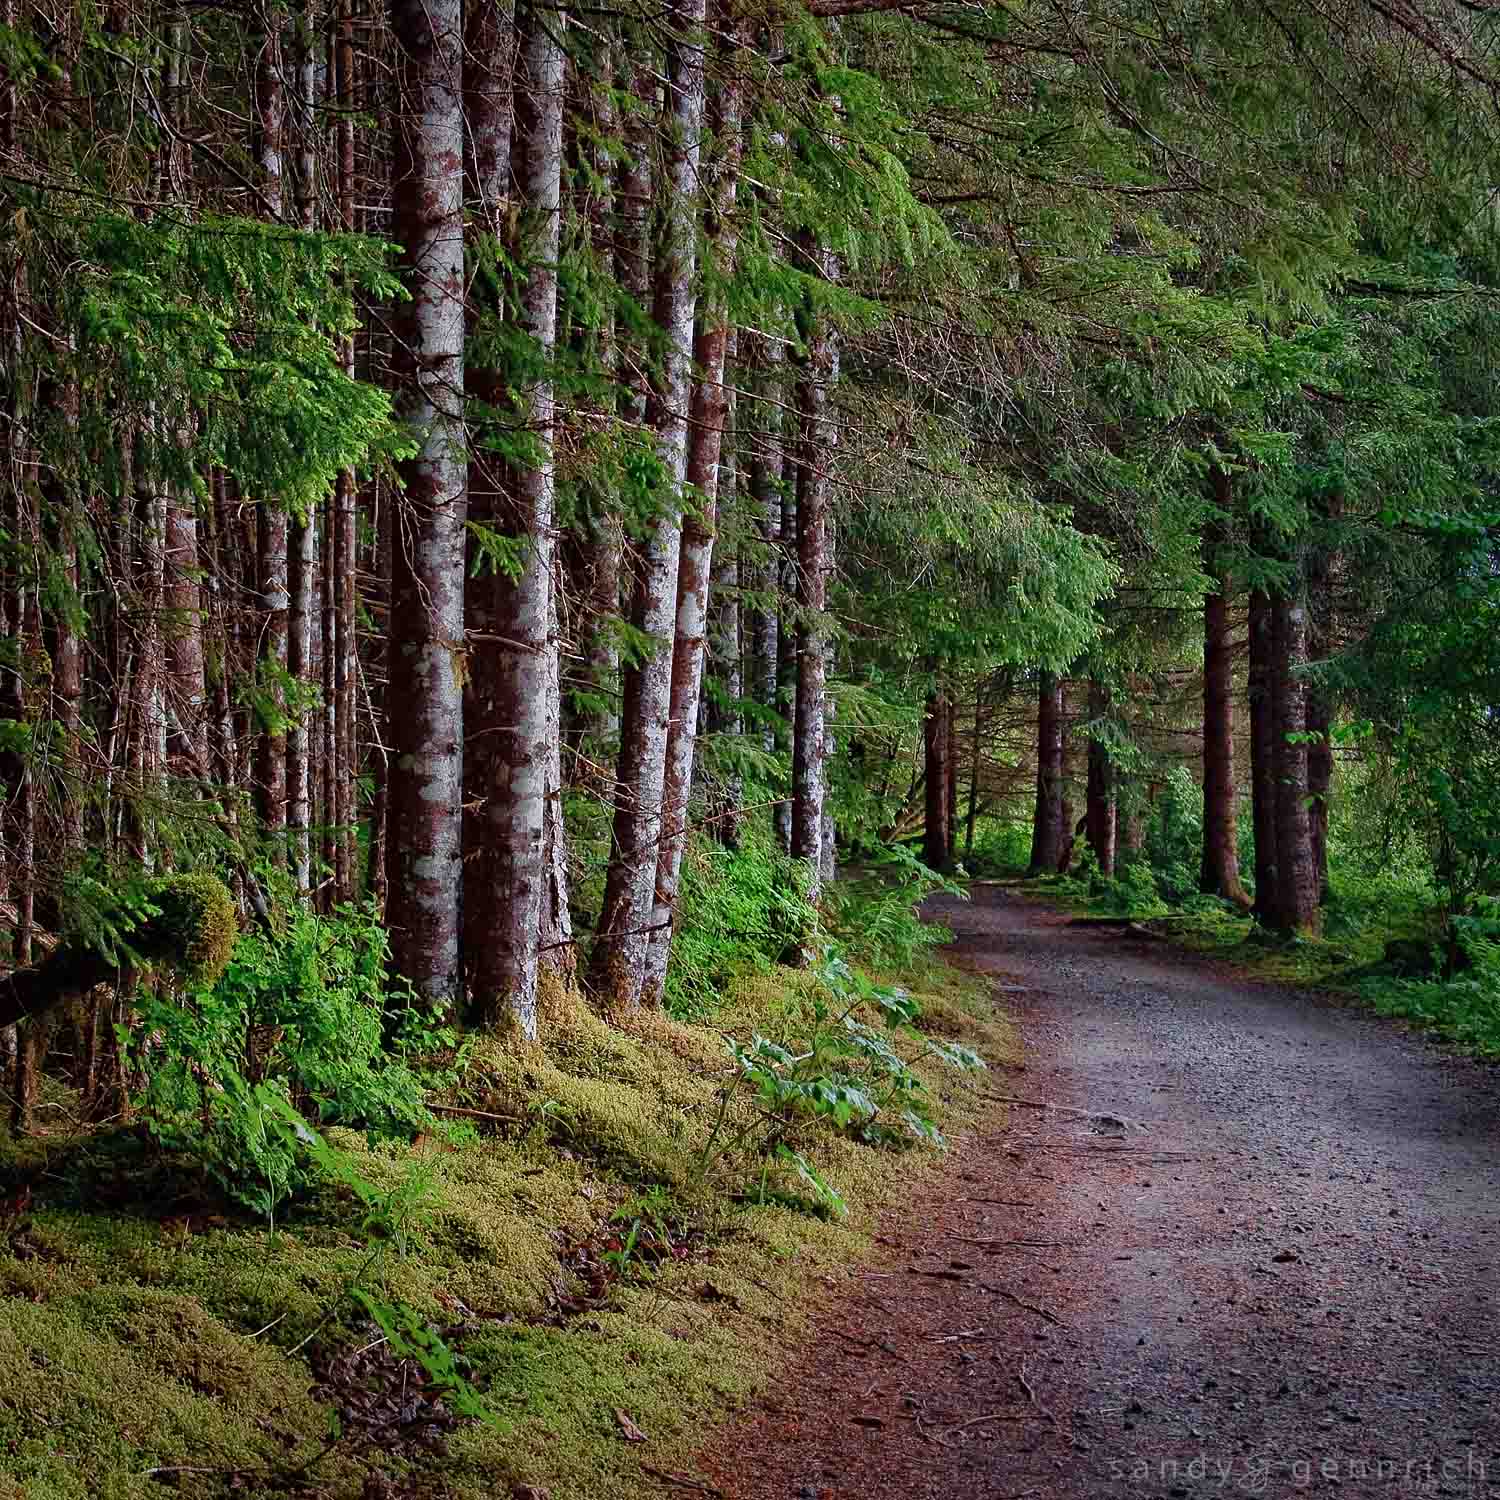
(877, 916)
(843, 1069)
(739, 910)
(300, 1017)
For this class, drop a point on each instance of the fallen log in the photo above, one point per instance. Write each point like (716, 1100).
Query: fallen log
(191, 927)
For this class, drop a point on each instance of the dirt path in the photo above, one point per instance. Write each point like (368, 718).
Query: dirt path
(1279, 1276)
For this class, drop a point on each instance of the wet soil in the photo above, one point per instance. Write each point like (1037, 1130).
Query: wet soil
(1250, 1247)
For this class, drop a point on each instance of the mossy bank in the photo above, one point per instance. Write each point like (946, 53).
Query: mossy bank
(595, 1279)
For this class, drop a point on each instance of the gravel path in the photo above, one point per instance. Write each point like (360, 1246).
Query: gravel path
(1252, 1248)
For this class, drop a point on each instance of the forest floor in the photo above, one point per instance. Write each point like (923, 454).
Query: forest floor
(1234, 1240)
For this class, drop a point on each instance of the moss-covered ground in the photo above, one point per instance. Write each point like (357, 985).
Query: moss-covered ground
(579, 1261)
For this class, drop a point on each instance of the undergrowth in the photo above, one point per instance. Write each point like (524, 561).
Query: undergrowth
(339, 1252)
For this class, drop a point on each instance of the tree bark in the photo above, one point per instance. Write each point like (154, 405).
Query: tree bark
(516, 681)
(817, 437)
(1220, 872)
(1047, 823)
(1263, 755)
(617, 964)
(1321, 643)
(303, 556)
(725, 718)
(1297, 887)
(271, 523)
(767, 463)
(708, 412)
(427, 624)
(1100, 808)
(937, 843)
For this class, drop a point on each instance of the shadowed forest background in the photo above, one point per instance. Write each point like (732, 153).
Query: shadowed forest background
(501, 505)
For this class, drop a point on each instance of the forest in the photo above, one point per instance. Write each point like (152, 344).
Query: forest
(533, 536)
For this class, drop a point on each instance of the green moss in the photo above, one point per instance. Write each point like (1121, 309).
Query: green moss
(196, 928)
(128, 1343)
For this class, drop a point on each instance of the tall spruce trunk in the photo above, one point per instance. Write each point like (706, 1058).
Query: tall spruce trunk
(342, 587)
(706, 418)
(762, 426)
(817, 436)
(1047, 831)
(937, 841)
(1296, 885)
(1263, 754)
(1322, 631)
(1100, 806)
(489, 117)
(598, 547)
(519, 712)
(727, 645)
(271, 523)
(426, 621)
(1220, 872)
(302, 561)
(617, 964)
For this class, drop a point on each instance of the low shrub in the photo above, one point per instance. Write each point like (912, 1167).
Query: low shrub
(303, 1015)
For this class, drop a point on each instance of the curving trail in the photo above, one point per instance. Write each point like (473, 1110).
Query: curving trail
(1268, 1230)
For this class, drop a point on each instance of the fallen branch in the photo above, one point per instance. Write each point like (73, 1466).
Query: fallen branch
(1031, 1307)
(682, 1481)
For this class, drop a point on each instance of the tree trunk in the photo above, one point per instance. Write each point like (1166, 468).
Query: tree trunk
(1321, 643)
(706, 419)
(1047, 823)
(271, 523)
(1220, 873)
(1100, 811)
(599, 542)
(303, 558)
(557, 952)
(345, 643)
(515, 674)
(617, 965)
(817, 436)
(767, 464)
(1263, 755)
(727, 649)
(937, 843)
(1297, 887)
(426, 623)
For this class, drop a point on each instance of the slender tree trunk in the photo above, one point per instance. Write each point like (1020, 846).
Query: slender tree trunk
(1297, 887)
(427, 624)
(519, 716)
(1321, 639)
(558, 954)
(725, 717)
(767, 462)
(1263, 755)
(706, 418)
(599, 544)
(1220, 873)
(271, 523)
(303, 551)
(489, 114)
(976, 745)
(817, 437)
(937, 844)
(345, 642)
(617, 965)
(1047, 824)
(786, 630)
(1101, 810)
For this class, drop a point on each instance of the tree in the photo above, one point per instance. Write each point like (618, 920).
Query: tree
(1221, 870)
(427, 600)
